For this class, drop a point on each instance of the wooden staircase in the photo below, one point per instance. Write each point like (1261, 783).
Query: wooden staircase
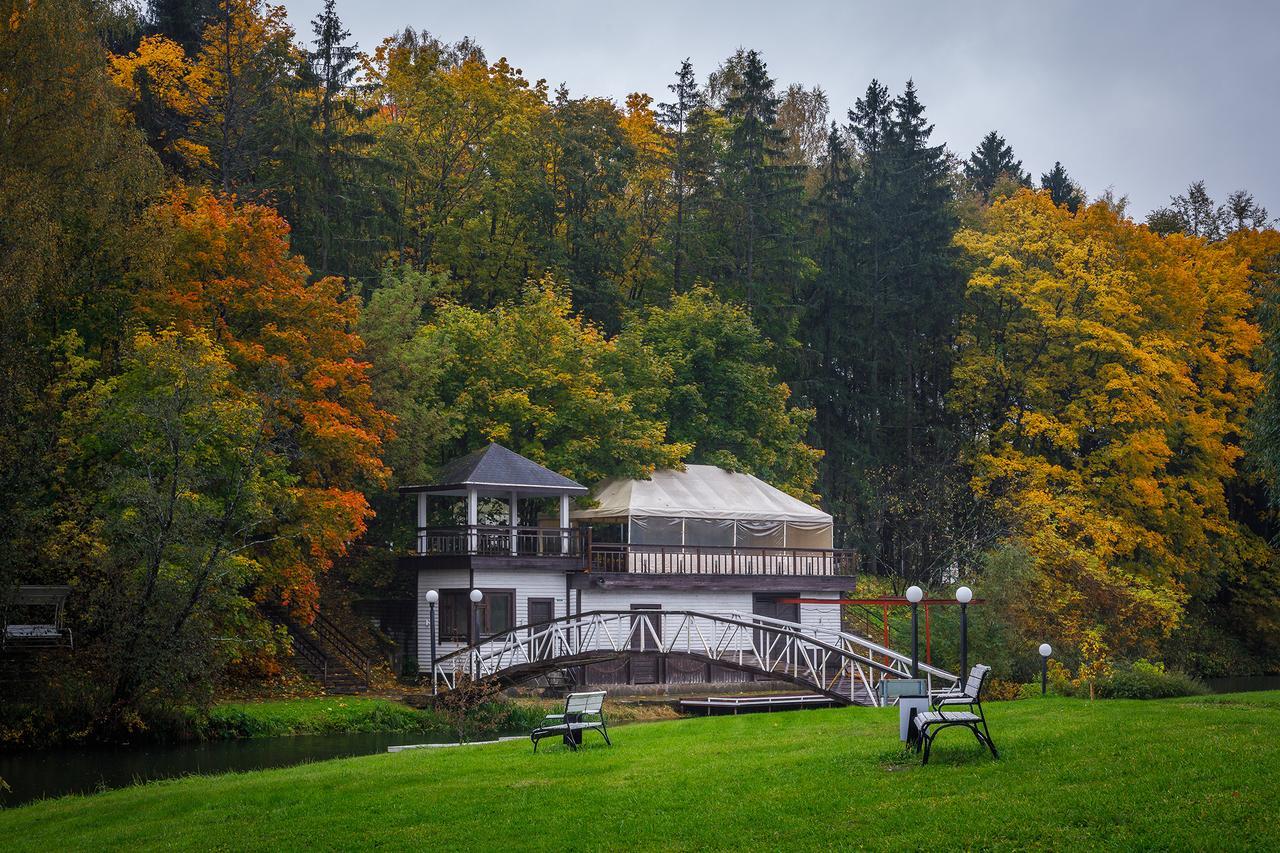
(324, 652)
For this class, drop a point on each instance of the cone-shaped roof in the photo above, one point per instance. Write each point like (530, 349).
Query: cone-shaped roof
(495, 468)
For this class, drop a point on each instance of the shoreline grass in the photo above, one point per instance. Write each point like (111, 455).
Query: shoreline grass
(1194, 772)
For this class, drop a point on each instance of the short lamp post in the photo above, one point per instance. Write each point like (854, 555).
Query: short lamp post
(476, 597)
(964, 595)
(914, 595)
(1045, 651)
(432, 597)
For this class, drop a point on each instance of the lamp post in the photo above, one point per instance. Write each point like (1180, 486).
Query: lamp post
(964, 595)
(432, 597)
(1045, 651)
(914, 594)
(476, 597)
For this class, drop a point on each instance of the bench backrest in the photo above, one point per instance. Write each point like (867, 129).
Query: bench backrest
(977, 676)
(584, 703)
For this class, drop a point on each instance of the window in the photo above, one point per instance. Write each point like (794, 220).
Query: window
(496, 613)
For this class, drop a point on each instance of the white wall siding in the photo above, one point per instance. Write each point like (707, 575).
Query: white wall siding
(528, 583)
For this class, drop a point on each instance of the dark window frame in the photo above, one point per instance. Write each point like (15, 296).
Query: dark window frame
(453, 629)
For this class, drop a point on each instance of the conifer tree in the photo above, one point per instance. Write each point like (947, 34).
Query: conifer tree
(683, 117)
(758, 205)
(990, 161)
(1061, 188)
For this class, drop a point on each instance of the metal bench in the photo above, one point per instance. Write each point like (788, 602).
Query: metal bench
(926, 726)
(582, 711)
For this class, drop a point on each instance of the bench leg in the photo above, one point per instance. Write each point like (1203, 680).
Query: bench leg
(990, 743)
(604, 730)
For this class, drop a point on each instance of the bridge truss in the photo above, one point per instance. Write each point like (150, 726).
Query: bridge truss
(843, 666)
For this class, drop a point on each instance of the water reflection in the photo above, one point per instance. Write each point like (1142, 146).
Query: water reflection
(51, 773)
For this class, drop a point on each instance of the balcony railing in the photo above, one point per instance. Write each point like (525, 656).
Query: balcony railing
(711, 560)
(500, 541)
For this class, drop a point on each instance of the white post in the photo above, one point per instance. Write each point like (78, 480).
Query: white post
(473, 516)
(513, 518)
(564, 525)
(422, 522)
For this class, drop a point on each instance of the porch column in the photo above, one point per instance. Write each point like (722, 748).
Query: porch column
(422, 523)
(513, 518)
(564, 524)
(473, 516)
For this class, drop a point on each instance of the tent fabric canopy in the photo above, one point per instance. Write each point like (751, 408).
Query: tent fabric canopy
(701, 492)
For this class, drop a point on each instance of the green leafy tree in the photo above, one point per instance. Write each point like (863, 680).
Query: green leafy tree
(185, 489)
(726, 399)
(533, 376)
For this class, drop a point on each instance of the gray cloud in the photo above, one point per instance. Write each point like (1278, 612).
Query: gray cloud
(1140, 96)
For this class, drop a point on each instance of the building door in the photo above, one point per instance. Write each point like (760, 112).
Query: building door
(644, 628)
(541, 610)
(773, 606)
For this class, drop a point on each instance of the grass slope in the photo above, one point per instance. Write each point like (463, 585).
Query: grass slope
(1118, 774)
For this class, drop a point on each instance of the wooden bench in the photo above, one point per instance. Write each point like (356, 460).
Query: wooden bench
(926, 726)
(582, 711)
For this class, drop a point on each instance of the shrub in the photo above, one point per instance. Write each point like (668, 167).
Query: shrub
(1143, 679)
(999, 690)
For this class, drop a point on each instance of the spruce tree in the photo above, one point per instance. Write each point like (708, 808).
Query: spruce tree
(759, 204)
(1061, 188)
(881, 335)
(181, 20)
(683, 119)
(990, 161)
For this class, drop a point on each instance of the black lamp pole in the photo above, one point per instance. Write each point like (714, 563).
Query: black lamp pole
(964, 642)
(915, 640)
(432, 607)
(1045, 651)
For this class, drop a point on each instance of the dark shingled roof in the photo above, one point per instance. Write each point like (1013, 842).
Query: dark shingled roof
(496, 467)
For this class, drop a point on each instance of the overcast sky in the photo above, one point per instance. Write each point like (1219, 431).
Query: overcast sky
(1140, 96)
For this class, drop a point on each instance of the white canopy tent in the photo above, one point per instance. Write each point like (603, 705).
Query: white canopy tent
(708, 506)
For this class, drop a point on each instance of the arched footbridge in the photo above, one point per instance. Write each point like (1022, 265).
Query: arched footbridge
(843, 666)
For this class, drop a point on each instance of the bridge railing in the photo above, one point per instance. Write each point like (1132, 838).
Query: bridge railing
(833, 662)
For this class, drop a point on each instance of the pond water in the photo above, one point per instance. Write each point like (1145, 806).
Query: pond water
(1243, 683)
(54, 772)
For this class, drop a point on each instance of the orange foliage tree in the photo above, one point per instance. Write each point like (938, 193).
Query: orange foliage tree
(1106, 377)
(230, 273)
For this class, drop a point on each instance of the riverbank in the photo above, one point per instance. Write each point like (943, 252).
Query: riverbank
(1117, 774)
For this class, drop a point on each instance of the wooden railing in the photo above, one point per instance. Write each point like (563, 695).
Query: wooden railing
(709, 560)
(498, 541)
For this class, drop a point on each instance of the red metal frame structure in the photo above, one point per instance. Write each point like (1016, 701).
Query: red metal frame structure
(884, 603)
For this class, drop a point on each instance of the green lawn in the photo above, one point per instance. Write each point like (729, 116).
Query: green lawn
(1197, 772)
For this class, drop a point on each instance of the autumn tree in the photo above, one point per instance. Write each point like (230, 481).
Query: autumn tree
(1106, 374)
(292, 343)
(75, 180)
(465, 139)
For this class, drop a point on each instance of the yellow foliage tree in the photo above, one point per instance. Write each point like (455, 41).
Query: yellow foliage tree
(1106, 375)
